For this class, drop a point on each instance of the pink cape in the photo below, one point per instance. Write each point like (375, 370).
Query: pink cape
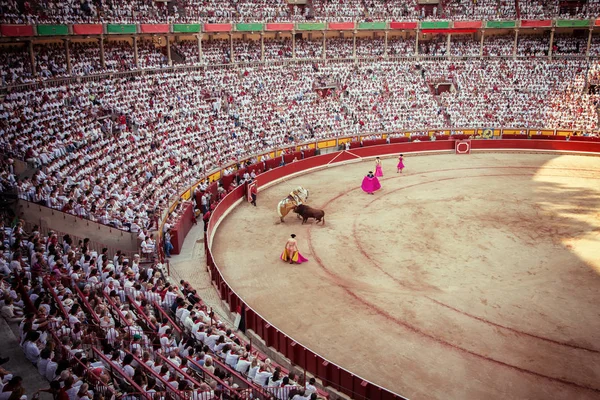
(378, 171)
(370, 185)
(297, 258)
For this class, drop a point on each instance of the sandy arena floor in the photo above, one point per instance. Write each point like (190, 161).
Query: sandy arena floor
(465, 277)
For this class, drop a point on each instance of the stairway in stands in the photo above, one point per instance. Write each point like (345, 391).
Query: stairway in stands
(518, 9)
(176, 56)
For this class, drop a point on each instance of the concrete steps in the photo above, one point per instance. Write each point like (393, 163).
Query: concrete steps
(18, 364)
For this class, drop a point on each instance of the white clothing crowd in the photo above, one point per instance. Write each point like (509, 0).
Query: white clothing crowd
(97, 311)
(119, 150)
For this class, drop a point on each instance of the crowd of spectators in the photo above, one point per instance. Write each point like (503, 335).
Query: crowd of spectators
(399, 46)
(565, 44)
(15, 64)
(465, 46)
(595, 46)
(50, 58)
(188, 50)
(370, 47)
(498, 45)
(309, 48)
(217, 51)
(435, 46)
(247, 50)
(533, 45)
(339, 47)
(119, 149)
(99, 326)
(277, 49)
(217, 11)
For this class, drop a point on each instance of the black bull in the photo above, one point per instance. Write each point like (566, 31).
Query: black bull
(307, 212)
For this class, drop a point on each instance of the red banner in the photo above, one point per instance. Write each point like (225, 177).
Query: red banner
(447, 31)
(536, 24)
(597, 23)
(468, 24)
(16, 30)
(217, 27)
(87, 29)
(341, 26)
(154, 28)
(280, 27)
(403, 25)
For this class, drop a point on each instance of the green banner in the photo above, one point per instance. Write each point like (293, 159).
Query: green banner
(186, 28)
(49, 30)
(119, 28)
(572, 23)
(249, 27)
(372, 25)
(310, 26)
(500, 24)
(435, 24)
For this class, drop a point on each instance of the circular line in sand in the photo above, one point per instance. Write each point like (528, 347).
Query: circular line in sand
(417, 330)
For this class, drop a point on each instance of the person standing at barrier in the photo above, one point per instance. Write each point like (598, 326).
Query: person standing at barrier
(400, 165)
(168, 244)
(253, 192)
(206, 218)
(290, 252)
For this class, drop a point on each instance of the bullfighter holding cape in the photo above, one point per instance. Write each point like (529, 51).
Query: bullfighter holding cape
(370, 183)
(290, 252)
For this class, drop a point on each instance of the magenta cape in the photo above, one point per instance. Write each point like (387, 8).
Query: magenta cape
(370, 185)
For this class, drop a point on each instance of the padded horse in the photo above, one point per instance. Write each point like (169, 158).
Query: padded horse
(297, 197)
(307, 212)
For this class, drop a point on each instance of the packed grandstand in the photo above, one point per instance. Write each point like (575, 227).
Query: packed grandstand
(114, 129)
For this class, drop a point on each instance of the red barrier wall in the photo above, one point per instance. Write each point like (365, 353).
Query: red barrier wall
(280, 27)
(403, 25)
(87, 29)
(341, 26)
(217, 27)
(16, 30)
(154, 28)
(535, 24)
(468, 24)
(337, 377)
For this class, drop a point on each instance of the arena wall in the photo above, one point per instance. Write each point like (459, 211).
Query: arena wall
(299, 355)
(102, 235)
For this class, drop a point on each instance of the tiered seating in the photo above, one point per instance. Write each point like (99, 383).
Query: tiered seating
(369, 47)
(437, 46)
(50, 60)
(569, 45)
(277, 49)
(309, 48)
(247, 51)
(216, 52)
(211, 118)
(533, 45)
(339, 47)
(214, 11)
(15, 65)
(498, 45)
(123, 329)
(401, 47)
(189, 50)
(465, 46)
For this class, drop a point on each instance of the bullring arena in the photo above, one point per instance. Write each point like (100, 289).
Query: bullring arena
(134, 133)
(465, 277)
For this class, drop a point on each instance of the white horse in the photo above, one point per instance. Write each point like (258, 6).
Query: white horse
(295, 198)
